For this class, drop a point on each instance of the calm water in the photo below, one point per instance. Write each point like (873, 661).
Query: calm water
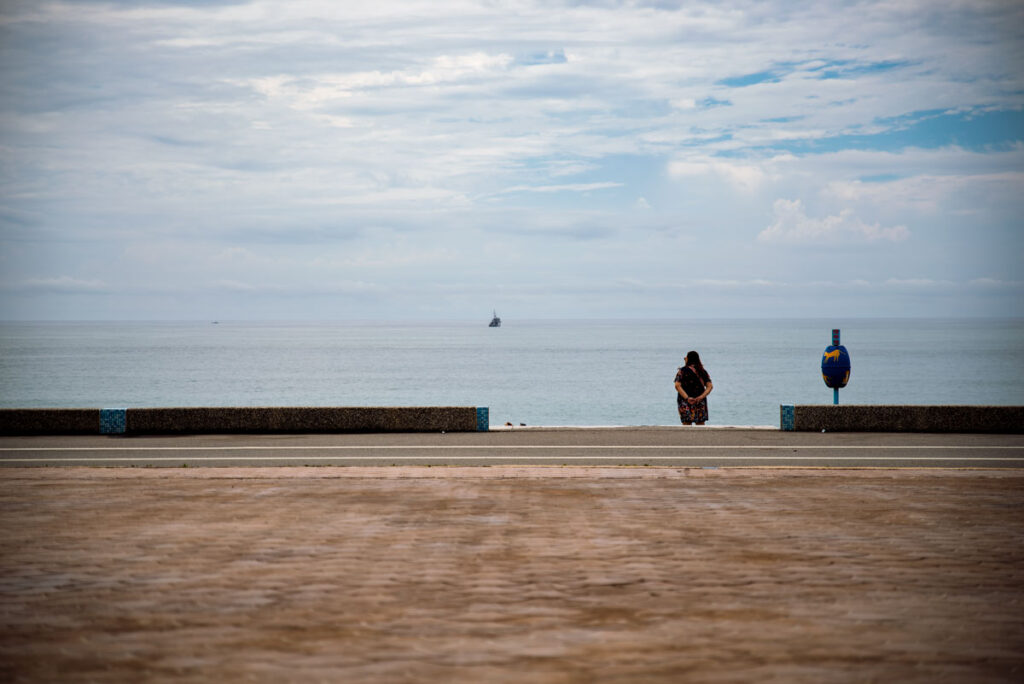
(538, 373)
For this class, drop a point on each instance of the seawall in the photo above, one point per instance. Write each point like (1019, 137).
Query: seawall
(349, 419)
(214, 420)
(902, 418)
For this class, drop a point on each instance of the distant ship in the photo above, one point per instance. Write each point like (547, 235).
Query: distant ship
(495, 322)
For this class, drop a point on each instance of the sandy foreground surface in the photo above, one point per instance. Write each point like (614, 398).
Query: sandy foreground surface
(511, 574)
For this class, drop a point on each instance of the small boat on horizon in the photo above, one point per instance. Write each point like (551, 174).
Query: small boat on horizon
(495, 322)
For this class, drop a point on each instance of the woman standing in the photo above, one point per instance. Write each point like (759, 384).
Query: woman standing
(693, 385)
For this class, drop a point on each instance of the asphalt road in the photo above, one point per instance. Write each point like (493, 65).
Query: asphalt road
(640, 446)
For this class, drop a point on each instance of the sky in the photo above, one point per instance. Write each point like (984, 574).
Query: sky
(437, 160)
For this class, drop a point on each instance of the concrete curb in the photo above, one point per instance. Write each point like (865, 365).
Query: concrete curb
(902, 418)
(215, 420)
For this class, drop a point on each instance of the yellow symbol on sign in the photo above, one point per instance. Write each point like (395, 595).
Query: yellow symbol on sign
(833, 355)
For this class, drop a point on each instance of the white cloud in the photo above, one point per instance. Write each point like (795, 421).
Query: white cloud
(568, 187)
(927, 192)
(756, 284)
(63, 284)
(917, 282)
(684, 103)
(744, 177)
(793, 226)
(313, 91)
(331, 141)
(996, 284)
(352, 287)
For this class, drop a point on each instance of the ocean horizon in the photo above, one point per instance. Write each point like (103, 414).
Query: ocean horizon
(541, 372)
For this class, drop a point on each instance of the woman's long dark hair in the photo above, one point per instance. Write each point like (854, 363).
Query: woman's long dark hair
(693, 359)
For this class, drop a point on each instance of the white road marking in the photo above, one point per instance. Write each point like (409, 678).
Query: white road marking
(306, 459)
(508, 447)
(203, 453)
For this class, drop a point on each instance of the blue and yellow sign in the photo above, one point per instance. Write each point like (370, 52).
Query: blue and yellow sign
(835, 364)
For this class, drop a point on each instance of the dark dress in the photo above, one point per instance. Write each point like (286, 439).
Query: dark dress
(693, 384)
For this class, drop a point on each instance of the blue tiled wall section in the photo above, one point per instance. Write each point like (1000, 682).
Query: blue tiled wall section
(113, 421)
(786, 416)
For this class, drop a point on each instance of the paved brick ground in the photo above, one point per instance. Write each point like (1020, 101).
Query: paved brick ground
(511, 575)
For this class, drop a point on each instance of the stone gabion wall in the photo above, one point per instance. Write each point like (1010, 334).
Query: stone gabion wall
(211, 420)
(903, 418)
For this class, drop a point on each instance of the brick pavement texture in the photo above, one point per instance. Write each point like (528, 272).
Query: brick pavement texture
(511, 574)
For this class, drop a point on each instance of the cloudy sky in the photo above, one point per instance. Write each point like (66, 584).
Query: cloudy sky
(436, 159)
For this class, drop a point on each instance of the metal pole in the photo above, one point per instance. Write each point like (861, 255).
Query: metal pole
(835, 391)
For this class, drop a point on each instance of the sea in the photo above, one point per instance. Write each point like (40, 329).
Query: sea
(527, 372)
